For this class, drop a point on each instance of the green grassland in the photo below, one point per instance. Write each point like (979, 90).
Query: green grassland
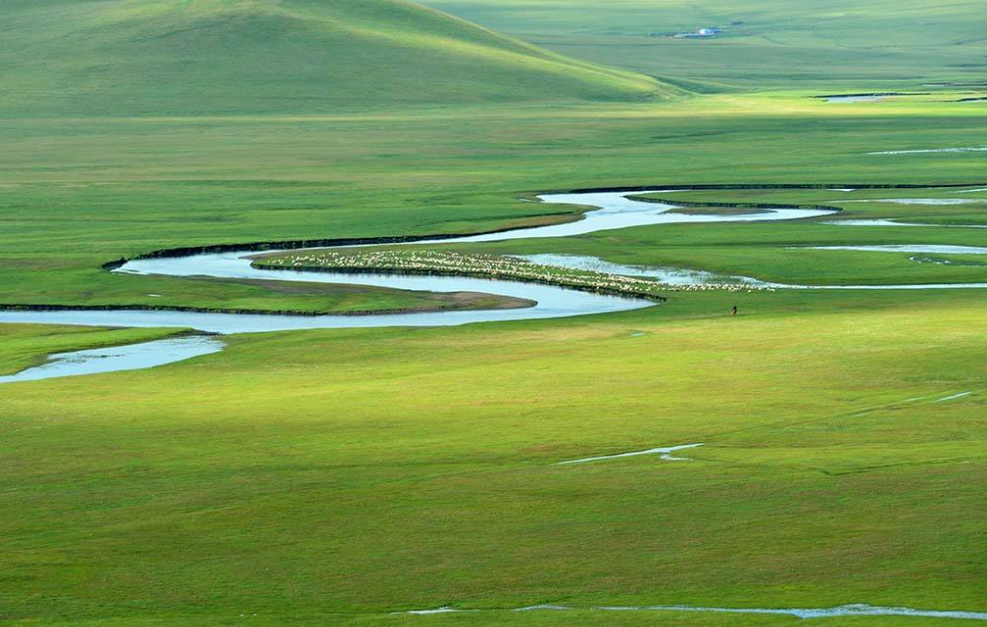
(857, 45)
(294, 475)
(77, 195)
(334, 477)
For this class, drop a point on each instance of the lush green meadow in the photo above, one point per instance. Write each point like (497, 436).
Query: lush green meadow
(335, 477)
(79, 193)
(857, 45)
(359, 472)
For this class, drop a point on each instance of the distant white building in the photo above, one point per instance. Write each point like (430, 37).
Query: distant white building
(699, 33)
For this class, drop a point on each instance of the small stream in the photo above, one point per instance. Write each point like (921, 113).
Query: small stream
(804, 613)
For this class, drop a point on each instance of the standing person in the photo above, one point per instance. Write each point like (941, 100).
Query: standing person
(735, 310)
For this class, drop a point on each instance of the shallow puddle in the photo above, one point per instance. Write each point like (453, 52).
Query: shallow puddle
(926, 151)
(920, 201)
(662, 453)
(852, 99)
(907, 248)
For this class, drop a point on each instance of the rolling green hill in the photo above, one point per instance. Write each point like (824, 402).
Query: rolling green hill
(175, 57)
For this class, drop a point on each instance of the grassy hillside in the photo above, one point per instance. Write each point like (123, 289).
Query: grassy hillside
(171, 57)
(766, 43)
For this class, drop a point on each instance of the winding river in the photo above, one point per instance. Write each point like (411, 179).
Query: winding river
(614, 210)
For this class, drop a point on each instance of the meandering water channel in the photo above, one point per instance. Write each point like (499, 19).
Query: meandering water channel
(614, 210)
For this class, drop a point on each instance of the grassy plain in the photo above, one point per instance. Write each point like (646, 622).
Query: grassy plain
(332, 477)
(310, 474)
(80, 193)
(855, 45)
